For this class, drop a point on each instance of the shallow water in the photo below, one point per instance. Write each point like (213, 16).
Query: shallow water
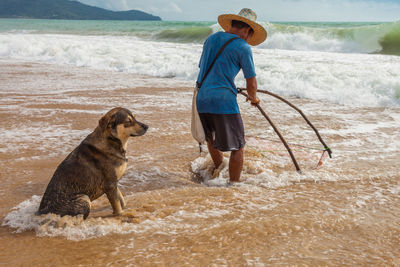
(343, 213)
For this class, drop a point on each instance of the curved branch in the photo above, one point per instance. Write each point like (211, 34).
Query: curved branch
(277, 132)
(301, 113)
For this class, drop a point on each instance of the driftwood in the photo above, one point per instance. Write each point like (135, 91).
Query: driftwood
(326, 148)
(301, 113)
(277, 132)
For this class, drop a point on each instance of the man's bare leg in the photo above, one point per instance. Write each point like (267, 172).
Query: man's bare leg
(235, 165)
(216, 155)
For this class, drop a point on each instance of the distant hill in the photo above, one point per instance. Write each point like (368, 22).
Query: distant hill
(65, 9)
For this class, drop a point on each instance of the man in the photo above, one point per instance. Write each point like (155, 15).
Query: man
(216, 100)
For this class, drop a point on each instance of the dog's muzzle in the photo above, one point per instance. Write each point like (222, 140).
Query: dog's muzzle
(144, 129)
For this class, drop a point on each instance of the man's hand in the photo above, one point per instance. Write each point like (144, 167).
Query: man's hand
(253, 101)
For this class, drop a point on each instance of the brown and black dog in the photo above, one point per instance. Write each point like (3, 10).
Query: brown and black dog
(93, 168)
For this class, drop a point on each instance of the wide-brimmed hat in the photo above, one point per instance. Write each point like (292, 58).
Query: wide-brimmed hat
(248, 16)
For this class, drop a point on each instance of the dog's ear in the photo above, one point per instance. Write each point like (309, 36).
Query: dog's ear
(103, 123)
(107, 122)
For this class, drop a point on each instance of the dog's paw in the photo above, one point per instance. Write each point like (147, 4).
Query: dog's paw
(117, 213)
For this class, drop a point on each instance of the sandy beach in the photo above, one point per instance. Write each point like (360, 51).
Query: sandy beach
(343, 213)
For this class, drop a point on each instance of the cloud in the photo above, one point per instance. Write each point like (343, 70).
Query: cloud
(170, 8)
(176, 8)
(267, 10)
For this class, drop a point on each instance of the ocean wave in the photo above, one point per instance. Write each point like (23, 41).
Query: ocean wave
(380, 38)
(344, 78)
(390, 43)
(185, 35)
(346, 37)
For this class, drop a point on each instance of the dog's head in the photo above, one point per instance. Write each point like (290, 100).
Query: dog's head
(121, 124)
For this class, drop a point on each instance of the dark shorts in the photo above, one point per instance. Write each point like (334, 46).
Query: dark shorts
(226, 130)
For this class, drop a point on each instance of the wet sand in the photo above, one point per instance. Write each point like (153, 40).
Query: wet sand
(344, 213)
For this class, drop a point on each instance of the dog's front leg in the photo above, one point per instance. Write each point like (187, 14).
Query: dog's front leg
(121, 199)
(114, 196)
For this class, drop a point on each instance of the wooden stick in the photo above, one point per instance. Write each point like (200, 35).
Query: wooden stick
(301, 113)
(277, 132)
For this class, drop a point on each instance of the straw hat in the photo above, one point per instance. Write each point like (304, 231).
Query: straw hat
(248, 16)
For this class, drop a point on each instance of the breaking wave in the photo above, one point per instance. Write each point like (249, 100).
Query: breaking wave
(346, 38)
(307, 60)
(185, 35)
(343, 37)
(381, 38)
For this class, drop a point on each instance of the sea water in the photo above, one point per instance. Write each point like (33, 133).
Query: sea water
(58, 77)
(344, 63)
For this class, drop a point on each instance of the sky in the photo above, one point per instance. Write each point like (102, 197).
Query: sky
(267, 10)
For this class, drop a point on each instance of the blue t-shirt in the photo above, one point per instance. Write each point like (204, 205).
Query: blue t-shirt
(218, 92)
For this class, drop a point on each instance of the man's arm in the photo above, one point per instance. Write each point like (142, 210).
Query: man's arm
(251, 87)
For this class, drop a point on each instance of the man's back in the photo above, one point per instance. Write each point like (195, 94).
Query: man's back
(218, 92)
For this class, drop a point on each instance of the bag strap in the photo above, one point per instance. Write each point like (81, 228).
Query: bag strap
(199, 84)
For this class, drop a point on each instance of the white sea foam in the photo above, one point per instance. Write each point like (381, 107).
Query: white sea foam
(184, 218)
(256, 172)
(128, 54)
(22, 218)
(334, 77)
